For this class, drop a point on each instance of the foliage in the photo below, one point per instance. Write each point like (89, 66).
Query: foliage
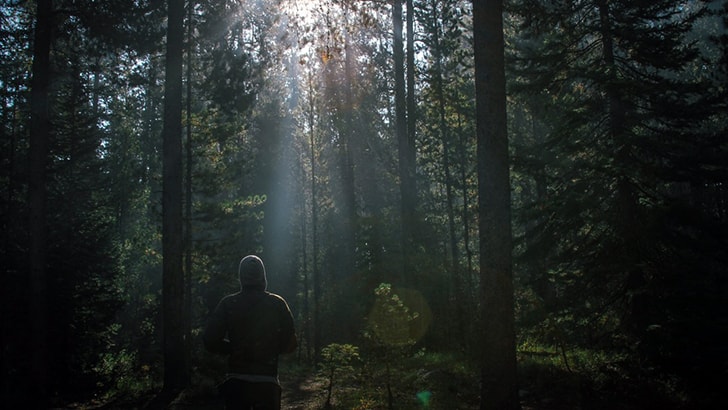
(338, 359)
(394, 327)
(124, 376)
(422, 379)
(612, 170)
(391, 321)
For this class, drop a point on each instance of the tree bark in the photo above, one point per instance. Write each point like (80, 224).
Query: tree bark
(315, 274)
(187, 312)
(400, 112)
(39, 139)
(411, 116)
(347, 172)
(176, 373)
(498, 355)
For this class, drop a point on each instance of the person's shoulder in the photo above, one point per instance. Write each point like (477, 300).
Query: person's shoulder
(275, 297)
(231, 298)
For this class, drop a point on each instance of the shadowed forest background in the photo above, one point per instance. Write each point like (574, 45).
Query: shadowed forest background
(356, 146)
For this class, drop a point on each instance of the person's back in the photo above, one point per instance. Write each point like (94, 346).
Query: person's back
(252, 327)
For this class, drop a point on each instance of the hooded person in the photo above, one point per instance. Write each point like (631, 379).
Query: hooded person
(252, 328)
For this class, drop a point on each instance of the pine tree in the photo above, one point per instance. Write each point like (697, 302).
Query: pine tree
(618, 165)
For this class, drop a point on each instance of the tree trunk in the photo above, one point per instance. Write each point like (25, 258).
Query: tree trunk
(498, 355)
(316, 276)
(400, 106)
(411, 120)
(39, 140)
(187, 312)
(176, 373)
(305, 281)
(349, 187)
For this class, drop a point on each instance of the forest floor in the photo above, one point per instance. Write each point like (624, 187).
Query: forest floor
(303, 388)
(299, 392)
(303, 392)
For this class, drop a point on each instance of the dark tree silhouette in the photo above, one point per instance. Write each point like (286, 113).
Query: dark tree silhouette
(406, 177)
(176, 370)
(498, 351)
(39, 138)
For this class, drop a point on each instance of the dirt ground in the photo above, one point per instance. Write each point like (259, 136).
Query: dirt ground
(298, 393)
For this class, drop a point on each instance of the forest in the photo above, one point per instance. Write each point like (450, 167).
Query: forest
(467, 204)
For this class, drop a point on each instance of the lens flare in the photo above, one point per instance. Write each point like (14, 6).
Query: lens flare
(399, 316)
(424, 398)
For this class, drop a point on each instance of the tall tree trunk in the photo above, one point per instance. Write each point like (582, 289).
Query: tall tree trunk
(405, 182)
(188, 201)
(498, 352)
(316, 276)
(39, 140)
(176, 373)
(411, 118)
(349, 135)
(305, 281)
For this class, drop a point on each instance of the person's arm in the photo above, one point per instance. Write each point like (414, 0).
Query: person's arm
(292, 344)
(288, 341)
(214, 336)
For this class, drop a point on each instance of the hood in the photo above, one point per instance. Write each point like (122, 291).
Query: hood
(252, 273)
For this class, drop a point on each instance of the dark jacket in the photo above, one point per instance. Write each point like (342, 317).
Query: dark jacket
(253, 327)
